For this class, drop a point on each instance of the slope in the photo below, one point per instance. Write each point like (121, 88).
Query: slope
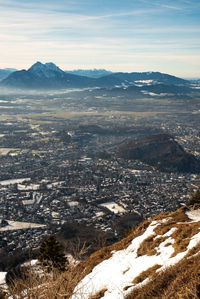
(167, 240)
(161, 151)
(159, 259)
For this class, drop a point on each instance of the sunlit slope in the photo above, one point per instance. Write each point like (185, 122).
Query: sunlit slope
(155, 246)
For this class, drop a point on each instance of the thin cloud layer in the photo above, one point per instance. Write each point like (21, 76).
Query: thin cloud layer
(88, 34)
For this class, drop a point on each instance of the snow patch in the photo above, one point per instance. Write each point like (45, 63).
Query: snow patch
(2, 278)
(194, 215)
(15, 225)
(113, 207)
(117, 273)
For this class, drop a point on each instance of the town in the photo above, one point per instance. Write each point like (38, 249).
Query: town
(59, 170)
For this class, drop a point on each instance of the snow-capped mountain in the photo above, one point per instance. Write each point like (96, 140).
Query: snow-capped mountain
(44, 76)
(47, 70)
(49, 76)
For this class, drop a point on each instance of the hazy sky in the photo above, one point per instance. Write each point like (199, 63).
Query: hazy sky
(119, 35)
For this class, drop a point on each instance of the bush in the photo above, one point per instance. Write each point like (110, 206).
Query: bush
(19, 272)
(195, 199)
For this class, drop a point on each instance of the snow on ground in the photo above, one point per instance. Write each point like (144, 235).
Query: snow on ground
(113, 207)
(15, 225)
(148, 82)
(14, 181)
(2, 278)
(194, 215)
(22, 187)
(5, 151)
(31, 263)
(117, 273)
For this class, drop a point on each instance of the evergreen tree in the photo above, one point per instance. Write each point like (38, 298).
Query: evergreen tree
(51, 255)
(195, 199)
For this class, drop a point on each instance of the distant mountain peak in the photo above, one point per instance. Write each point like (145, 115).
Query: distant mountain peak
(47, 70)
(47, 65)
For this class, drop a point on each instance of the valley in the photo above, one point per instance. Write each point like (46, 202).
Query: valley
(59, 163)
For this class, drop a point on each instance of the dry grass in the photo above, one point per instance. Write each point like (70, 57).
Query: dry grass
(51, 286)
(163, 229)
(185, 230)
(179, 215)
(183, 235)
(195, 250)
(174, 217)
(2, 293)
(63, 285)
(99, 295)
(149, 273)
(106, 252)
(149, 245)
(179, 281)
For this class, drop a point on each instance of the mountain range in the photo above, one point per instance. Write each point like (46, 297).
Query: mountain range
(95, 73)
(49, 76)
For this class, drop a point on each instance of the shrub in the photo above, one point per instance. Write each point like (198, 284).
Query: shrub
(195, 199)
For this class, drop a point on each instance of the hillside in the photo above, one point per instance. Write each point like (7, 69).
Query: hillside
(153, 259)
(161, 151)
(158, 259)
(150, 77)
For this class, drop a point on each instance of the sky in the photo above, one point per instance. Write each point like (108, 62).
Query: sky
(118, 35)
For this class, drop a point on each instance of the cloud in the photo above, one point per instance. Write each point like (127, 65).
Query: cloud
(74, 34)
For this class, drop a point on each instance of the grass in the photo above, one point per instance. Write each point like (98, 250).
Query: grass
(174, 217)
(149, 273)
(183, 235)
(195, 250)
(179, 281)
(99, 295)
(149, 245)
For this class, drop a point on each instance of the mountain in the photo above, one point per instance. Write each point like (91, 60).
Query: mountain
(159, 259)
(94, 73)
(49, 76)
(5, 72)
(44, 76)
(161, 151)
(147, 78)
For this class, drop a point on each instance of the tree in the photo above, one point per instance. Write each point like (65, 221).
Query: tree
(195, 199)
(51, 255)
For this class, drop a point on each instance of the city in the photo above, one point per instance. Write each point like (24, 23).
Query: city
(65, 170)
